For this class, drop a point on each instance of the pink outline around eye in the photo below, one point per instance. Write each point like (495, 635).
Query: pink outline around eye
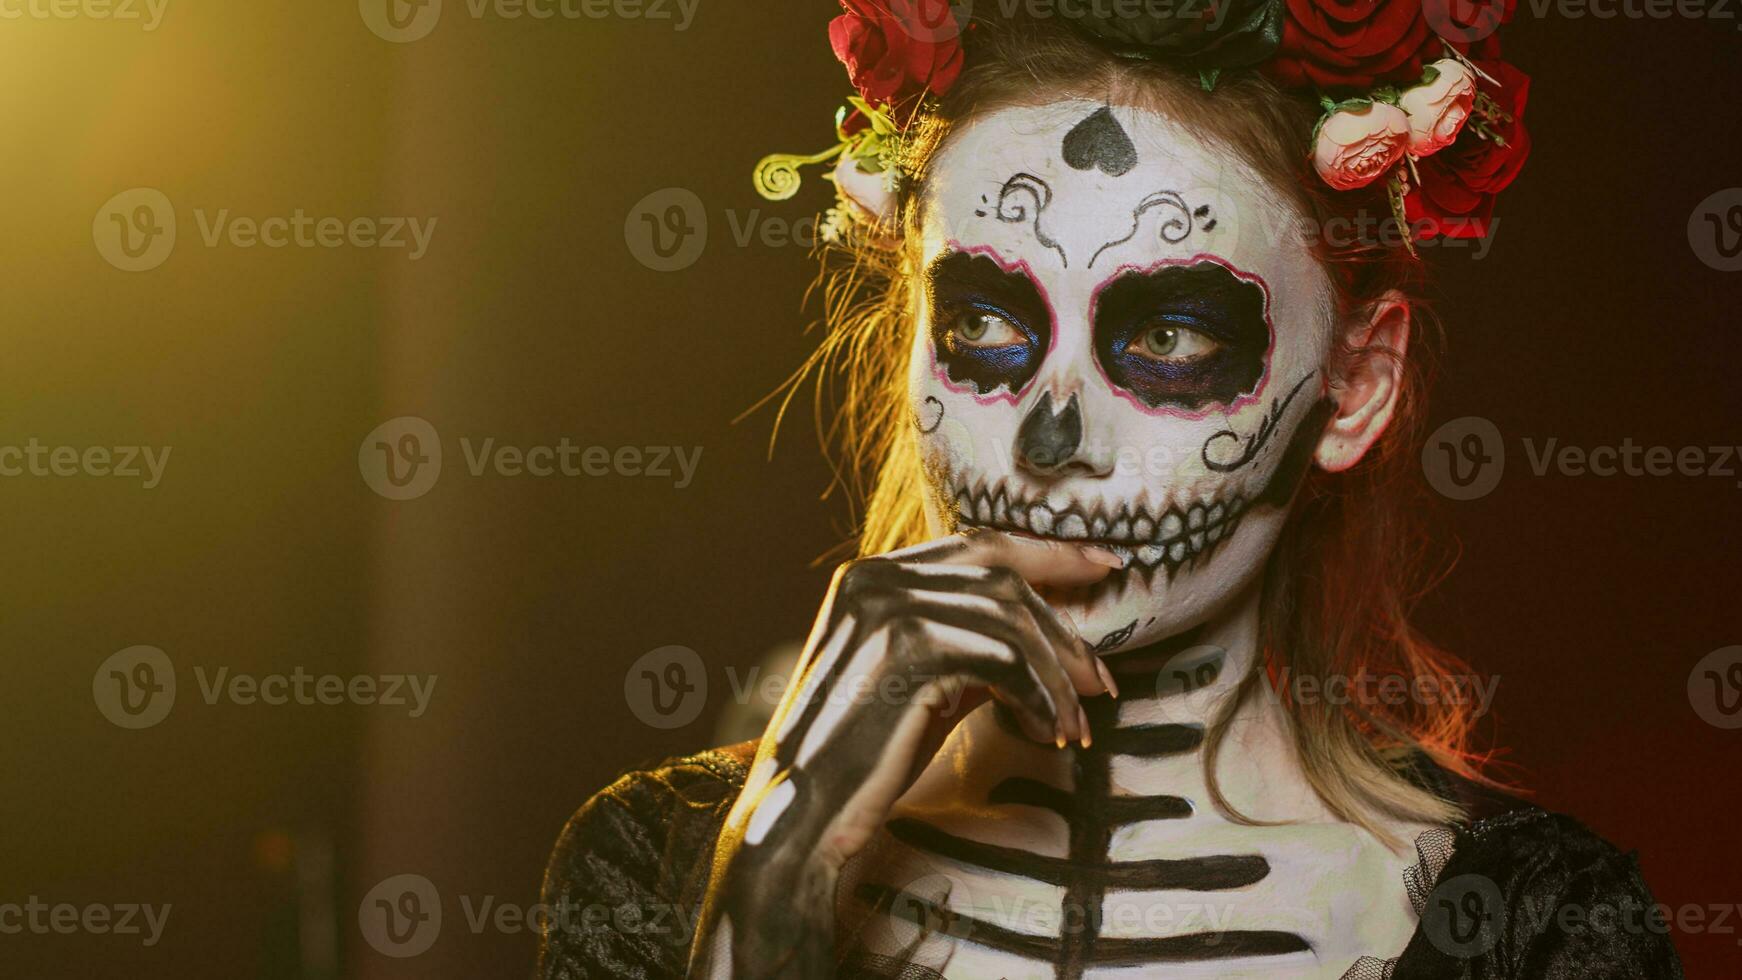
(1003, 393)
(1257, 391)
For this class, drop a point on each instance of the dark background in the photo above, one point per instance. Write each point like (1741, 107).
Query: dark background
(1591, 320)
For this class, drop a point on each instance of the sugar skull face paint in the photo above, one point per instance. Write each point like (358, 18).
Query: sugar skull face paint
(1110, 350)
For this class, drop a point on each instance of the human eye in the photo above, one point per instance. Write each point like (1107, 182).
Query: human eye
(981, 327)
(1173, 342)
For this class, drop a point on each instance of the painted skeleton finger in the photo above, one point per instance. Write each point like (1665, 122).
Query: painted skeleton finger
(1040, 561)
(1082, 668)
(835, 759)
(1030, 681)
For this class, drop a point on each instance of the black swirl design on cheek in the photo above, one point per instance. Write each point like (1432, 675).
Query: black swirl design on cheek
(1255, 442)
(1024, 198)
(1178, 219)
(920, 424)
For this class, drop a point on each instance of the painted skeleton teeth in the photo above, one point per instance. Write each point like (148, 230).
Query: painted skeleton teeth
(1178, 535)
(1040, 519)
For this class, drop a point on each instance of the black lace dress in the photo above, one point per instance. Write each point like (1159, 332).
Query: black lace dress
(1518, 893)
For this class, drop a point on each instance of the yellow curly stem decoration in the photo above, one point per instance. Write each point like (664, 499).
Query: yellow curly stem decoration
(777, 177)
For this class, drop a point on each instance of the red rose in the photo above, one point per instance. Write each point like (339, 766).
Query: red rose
(1459, 183)
(898, 50)
(1331, 44)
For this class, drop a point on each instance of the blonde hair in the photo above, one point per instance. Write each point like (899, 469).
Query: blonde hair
(1352, 559)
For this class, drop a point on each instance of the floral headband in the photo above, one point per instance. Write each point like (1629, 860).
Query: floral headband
(1413, 91)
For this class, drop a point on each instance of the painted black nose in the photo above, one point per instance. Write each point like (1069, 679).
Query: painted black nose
(1048, 439)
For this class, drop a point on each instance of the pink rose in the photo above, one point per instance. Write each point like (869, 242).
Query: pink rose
(1438, 107)
(1357, 143)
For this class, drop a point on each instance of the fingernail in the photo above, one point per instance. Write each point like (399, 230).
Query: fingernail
(1106, 678)
(1101, 556)
(1058, 733)
(1088, 737)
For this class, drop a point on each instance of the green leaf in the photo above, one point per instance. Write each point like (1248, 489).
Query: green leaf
(1207, 78)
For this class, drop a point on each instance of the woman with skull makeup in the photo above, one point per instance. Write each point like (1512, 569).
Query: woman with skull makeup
(1098, 698)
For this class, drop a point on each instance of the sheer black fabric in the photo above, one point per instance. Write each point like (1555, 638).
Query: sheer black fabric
(1519, 894)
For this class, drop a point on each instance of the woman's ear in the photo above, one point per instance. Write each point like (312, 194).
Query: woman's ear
(1366, 391)
(870, 198)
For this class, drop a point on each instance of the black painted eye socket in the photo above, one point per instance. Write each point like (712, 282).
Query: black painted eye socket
(989, 326)
(1184, 336)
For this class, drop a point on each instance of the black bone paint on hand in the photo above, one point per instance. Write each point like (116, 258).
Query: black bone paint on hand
(770, 904)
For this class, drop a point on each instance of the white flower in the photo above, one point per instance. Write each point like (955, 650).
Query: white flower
(1358, 143)
(1439, 107)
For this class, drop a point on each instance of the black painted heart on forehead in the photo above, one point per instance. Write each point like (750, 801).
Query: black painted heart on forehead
(1099, 142)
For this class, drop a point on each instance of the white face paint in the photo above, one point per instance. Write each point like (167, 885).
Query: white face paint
(1111, 349)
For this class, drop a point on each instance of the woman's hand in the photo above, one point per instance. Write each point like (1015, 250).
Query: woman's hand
(906, 644)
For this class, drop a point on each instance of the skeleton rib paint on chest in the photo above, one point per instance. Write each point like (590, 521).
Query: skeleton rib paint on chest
(1110, 861)
(1087, 874)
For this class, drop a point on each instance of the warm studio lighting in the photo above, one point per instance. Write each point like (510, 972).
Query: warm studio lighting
(1071, 489)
